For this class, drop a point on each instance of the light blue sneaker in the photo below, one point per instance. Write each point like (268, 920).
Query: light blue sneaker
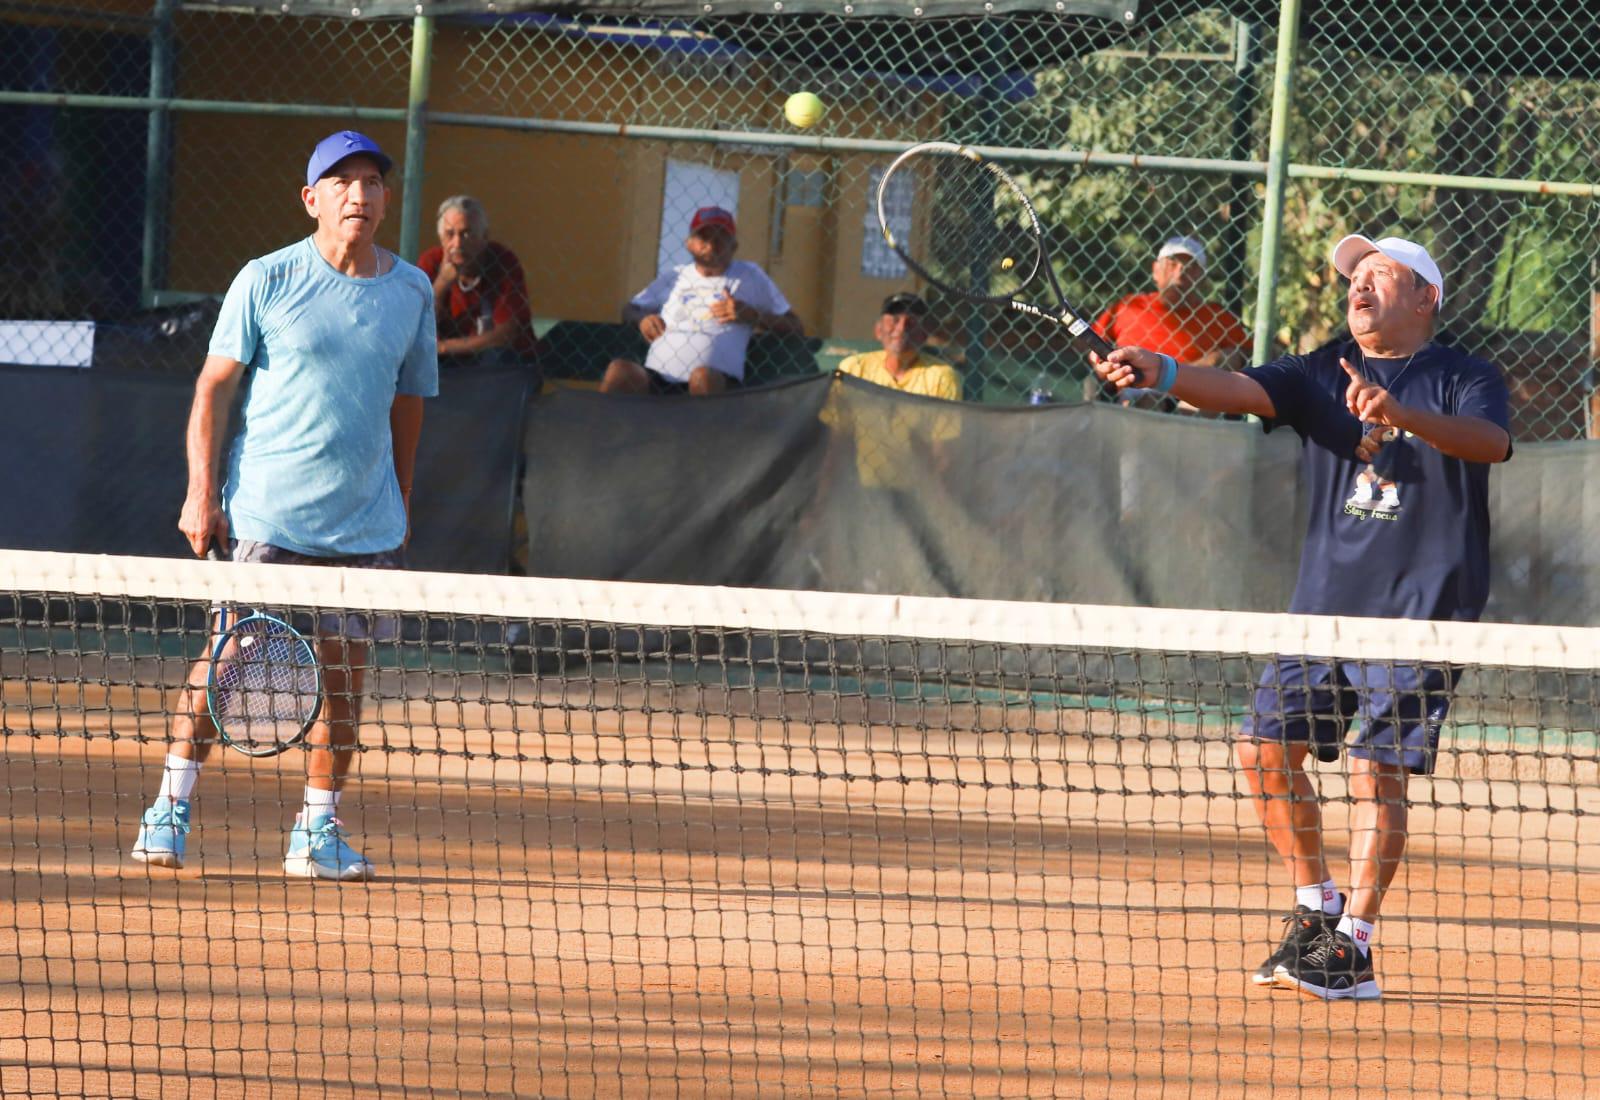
(163, 831)
(317, 850)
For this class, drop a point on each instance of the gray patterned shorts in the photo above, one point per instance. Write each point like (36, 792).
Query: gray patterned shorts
(352, 626)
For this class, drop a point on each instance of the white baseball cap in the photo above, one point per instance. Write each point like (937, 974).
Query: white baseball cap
(1183, 246)
(1348, 252)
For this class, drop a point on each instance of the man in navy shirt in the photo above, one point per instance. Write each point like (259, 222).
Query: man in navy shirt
(1397, 435)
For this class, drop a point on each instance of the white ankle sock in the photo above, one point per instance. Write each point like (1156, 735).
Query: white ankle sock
(1324, 898)
(178, 780)
(1361, 932)
(320, 802)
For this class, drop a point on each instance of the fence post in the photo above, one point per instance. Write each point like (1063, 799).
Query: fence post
(1241, 195)
(416, 136)
(157, 162)
(995, 61)
(1277, 178)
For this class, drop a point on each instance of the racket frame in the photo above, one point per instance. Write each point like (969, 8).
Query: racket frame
(224, 632)
(1078, 328)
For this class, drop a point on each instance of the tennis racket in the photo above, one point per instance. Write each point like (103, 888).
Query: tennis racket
(264, 685)
(983, 240)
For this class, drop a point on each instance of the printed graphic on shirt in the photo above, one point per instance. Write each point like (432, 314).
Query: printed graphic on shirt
(692, 300)
(1376, 496)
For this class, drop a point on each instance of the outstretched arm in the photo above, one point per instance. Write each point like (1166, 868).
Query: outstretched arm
(1203, 387)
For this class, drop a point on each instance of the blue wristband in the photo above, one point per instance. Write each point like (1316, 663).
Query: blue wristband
(1168, 375)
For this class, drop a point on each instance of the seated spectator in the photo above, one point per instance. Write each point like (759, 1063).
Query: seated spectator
(898, 444)
(1175, 319)
(480, 297)
(902, 451)
(698, 316)
(902, 329)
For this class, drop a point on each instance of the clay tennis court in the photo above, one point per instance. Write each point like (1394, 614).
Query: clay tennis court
(598, 890)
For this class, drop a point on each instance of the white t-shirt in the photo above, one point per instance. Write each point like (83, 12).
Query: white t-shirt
(684, 298)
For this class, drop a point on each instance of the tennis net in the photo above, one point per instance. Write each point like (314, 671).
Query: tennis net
(650, 840)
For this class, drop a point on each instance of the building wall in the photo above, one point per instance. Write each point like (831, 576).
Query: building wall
(581, 211)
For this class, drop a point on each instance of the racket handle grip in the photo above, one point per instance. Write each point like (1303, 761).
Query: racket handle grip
(214, 553)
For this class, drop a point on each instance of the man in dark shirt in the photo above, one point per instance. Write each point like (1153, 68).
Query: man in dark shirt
(1397, 435)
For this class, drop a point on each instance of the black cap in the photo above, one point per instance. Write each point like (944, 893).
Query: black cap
(905, 302)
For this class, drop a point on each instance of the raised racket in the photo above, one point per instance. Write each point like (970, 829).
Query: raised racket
(982, 239)
(264, 685)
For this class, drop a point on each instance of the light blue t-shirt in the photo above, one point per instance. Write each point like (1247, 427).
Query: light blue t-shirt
(312, 468)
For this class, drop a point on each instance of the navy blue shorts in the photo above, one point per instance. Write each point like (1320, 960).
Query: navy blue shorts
(1401, 707)
(662, 386)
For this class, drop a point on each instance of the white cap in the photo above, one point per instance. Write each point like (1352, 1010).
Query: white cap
(1183, 246)
(1348, 252)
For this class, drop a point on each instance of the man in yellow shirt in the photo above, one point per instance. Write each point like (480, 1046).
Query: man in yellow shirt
(902, 447)
(902, 365)
(898, 444)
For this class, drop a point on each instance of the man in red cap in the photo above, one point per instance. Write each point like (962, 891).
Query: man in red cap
(699, 316)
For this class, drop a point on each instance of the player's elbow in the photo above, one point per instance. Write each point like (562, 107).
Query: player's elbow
(1499, 446)
(1249, 396)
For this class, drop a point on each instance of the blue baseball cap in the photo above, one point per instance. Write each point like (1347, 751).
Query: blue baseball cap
(336, 147)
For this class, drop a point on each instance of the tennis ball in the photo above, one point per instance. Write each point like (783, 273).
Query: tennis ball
(1007, 264)
(804, 110)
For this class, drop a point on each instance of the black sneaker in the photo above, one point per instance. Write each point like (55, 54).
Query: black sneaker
(1305, 924)
(1333, 968)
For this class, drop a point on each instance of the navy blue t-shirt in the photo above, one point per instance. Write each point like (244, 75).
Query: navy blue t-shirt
(1406, 536)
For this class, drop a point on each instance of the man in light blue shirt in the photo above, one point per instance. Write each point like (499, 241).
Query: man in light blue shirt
(333, 338)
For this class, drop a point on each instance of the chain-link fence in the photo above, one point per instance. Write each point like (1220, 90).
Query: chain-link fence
(153, 146)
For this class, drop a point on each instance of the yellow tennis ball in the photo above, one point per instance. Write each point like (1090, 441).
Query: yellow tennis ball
(804, 110)
(1007, 264)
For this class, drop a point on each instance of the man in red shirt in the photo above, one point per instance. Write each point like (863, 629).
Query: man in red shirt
(1174, 319)
(479, 294)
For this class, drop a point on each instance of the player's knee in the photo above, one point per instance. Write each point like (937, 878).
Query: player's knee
(623, 376)
(1248, 754)
(704, 380)
(1260, 759)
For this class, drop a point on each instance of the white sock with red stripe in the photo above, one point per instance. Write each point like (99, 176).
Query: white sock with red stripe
(1361, 932)
(1324, 898)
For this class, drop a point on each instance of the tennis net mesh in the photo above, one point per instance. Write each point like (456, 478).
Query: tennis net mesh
(652, 840)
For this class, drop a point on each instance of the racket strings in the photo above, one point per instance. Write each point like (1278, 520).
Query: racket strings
(982, 236)
(267, 683)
